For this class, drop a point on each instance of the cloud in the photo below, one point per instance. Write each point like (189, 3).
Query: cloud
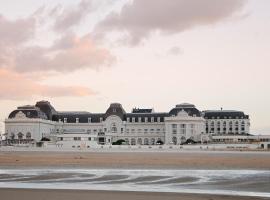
(141, 18)
(175, 50)
(69, 53)
(21, 51)
(15, 86)
(69, 17)
(16, 32)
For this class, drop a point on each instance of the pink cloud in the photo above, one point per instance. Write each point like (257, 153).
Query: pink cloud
(16, 32)
(68, 54)
(140, 18)
(15, 86)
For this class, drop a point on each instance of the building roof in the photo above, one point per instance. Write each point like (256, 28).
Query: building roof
(189, 108)
(144, 110)
(44, 110)
(29, 112)
(224, 114)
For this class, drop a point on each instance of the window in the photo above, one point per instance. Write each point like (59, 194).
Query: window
(101, 119)
(140, 120)
(113, 128)
(20, 136)
(77, 120)
(105, 129)
(183, 126)
(174, 140)
(65, 120)
(89, 131)
(128, 119)
(89, 120)
(153, 141)
(90, 139)
(139, 141)
(146, 141)
(127, 140)
(152, 119)
(133, 141)
(145, 130)
(174, 125)
(28, 135)
(133, 119)
(61, 139)
(243, 126)
(183, 131)
(174, 131)
(146, 119)
(122, 130)
(158, 119)
(77, 138)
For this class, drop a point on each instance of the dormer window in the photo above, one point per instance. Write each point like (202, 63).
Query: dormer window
(59, 120)
(101, 119)
(114, 110)
(89, 120)
(146, 119)
(140, 119)
(133, 119)
(152, 119)
(65, 120)
(128, 119)
(158, 119)
(77, 120)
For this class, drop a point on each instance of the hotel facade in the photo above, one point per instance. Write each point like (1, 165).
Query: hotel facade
(183, 123)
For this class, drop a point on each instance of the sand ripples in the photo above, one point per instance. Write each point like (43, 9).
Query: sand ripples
(237, 182)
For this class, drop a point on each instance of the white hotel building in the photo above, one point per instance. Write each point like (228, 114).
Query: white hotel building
(28, 124)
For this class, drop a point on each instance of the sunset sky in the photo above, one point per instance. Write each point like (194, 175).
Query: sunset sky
(84, 55)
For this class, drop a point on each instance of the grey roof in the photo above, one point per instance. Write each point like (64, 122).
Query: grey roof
(45, 110)
(224, 114)
(29, 111)
(189, 108)
(139, 110)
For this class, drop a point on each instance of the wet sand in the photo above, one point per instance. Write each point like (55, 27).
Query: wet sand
(153, 160)
(129, 160)
(31, 194)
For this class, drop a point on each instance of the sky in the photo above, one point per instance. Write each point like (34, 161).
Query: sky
(82, 55)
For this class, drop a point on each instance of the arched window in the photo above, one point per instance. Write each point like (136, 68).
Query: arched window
(183, 139)
(20, 136)
(139, 141)
(174, 140)
(133, 141)
(146, 141)
(28, 135)
(153, 141)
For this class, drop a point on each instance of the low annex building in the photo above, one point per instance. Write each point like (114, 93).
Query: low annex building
(182, 123)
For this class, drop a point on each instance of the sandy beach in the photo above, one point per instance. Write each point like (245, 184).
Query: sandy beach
(186, 160)
(163, 160)
(28, 194)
